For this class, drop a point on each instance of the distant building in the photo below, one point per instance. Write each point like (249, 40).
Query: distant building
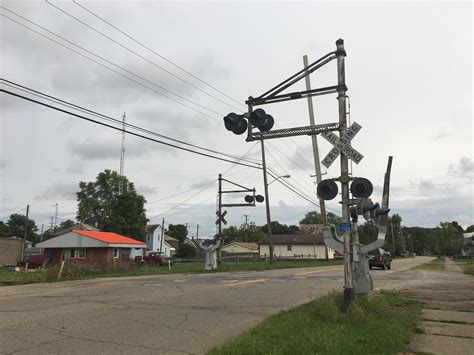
(467, 247)
(289, 246)
(155, 243)
(103, 250)
(240, 248)
(77, 226)
(10, 250)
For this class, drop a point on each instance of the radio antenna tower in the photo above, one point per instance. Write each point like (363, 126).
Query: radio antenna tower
(122, 154)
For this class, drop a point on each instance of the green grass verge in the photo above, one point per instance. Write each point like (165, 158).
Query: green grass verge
(433, 265)
(17, 278)
(382, 325)
(467, 266)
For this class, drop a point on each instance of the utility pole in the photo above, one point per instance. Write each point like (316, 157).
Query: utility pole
(25, 235)
(197, 232)
(42, 230)
(122, 155)
(314, 141)
(219, 233)
(344, 178)
(56, 218)
(162, 235)
(52, 225)
(246, 227)
(267, 203)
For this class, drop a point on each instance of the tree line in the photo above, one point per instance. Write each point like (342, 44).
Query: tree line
(112, 204)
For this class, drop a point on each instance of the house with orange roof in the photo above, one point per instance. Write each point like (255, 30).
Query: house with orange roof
(86, 248)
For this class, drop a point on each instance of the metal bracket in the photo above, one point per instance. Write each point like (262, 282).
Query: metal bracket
(331, 240)
(291, 132)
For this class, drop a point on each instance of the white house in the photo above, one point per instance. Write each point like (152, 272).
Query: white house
(297, 245)
(240, 248)
(156, 240)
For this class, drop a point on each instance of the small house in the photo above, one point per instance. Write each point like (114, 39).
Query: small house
(91, 249)
(157, 241)
(302, 245)
(240, 248)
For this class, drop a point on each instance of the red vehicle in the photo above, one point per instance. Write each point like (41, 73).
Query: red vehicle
(34, 261)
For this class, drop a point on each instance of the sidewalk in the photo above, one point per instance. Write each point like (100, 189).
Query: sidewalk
(448, 313)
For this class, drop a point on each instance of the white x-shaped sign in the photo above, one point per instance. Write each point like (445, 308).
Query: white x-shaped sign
(342, 145)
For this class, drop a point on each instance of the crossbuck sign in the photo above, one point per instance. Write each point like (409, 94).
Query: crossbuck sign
(342, 145)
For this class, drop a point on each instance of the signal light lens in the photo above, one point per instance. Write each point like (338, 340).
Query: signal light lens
(260, 119)
(259, 198)
(235, 123)
(361, 188)
(248, 198)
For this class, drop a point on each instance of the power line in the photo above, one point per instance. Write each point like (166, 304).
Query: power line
(120, 129)
(113, 64)
(111, 119)
(139, 55)
(154, 52)
(182, 203)
(179, 193)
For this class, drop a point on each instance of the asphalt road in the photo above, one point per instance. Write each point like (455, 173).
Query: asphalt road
(170, 314)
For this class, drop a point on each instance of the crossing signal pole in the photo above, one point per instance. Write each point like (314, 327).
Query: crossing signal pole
(356, 275)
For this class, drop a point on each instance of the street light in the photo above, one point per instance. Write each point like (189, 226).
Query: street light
(279, 177)
(267, 203)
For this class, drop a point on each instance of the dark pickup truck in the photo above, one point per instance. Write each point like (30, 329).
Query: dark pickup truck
(380, 258)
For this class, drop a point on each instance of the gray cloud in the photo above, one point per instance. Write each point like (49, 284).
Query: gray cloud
(146, 190)
(108, 147)
(59, 190)
(464, 167)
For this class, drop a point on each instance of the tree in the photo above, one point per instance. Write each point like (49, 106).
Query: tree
(178, 231)
(245, 233)
(4, 230)
(470, 229)
(100, 204)
(315, 218)
(278, 228)
(16, 227)
(186, 251)
(68, 223)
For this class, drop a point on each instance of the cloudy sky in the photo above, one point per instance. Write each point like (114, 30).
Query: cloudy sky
(408, 70)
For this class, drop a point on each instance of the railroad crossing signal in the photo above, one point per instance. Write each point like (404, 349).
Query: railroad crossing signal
(220, 218)
(342, 145)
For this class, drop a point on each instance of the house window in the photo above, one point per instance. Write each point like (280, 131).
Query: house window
(81, 253)
(77, 253)
(288, 247)
(115, 253)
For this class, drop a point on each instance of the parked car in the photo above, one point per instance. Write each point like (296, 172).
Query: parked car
(157, 259)
(34, 261)
(380, 258)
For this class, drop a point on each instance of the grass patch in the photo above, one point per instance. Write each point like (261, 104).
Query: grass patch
(260, 266)
(433, 265)
(8, 277)
(467, 266)
(382, 325)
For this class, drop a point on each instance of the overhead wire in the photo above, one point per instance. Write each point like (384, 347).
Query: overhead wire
(122, 130)
(156, 53)
(139, 55)
(111, 119)
(115, 65)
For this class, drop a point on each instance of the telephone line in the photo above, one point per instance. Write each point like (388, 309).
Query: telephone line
(120, 129)
(109, 118)
(154, 52)
(115, 65)
(138, 55)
